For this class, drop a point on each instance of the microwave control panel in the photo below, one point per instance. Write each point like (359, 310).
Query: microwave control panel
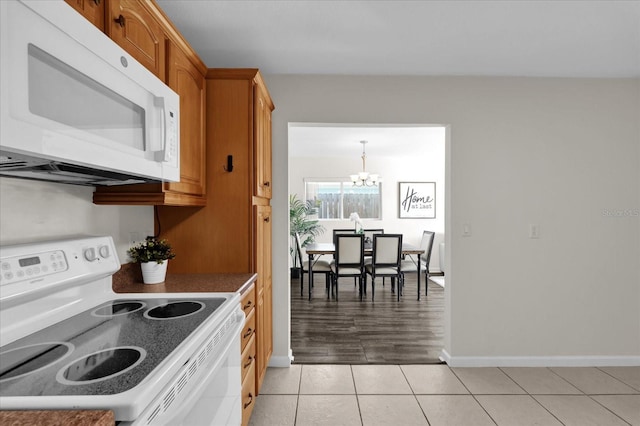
(172, 137)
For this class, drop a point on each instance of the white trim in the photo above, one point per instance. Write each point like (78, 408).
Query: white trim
(281, 361)
(539, 361)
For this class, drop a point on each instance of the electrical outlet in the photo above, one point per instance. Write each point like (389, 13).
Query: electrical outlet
(466, 230)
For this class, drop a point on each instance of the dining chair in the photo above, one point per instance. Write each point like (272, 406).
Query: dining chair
(319, 267)
(411, 265)
(344, 231)
(369, 233)
(387, 255)
(368, 244)
(349, 259)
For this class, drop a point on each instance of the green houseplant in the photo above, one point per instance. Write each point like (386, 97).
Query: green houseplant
(301, 221)
(153, 254)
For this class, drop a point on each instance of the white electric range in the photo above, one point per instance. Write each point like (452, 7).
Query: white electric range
(67, 341)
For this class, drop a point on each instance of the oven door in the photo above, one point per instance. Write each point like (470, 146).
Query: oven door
(207, 390)
(71, 94)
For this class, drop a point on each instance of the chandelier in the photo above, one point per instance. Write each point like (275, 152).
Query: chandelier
(364, 178)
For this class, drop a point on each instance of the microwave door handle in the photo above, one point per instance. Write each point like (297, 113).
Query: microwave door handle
(164, 154)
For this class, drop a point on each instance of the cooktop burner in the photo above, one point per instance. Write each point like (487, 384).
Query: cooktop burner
(118, 308)
(24, 360)
(174, 310)
(100, 344)
(101, 365)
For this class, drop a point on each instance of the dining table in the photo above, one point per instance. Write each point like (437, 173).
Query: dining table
(319, 249)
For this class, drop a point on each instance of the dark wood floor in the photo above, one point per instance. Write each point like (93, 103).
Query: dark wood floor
(349, 331)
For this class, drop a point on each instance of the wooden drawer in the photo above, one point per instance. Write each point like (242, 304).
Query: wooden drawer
(248, 394)
(248, 331)
(248, 301)
(248, 356)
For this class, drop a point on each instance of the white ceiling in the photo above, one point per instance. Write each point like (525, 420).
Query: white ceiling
(561, 38)
(320, 140)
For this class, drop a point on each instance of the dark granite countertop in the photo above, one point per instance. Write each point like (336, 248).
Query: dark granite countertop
(129, 280)
(57, 417)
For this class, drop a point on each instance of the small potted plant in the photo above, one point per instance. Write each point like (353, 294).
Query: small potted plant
(153, 254)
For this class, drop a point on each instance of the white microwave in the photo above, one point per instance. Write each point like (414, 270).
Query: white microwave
(75, 107)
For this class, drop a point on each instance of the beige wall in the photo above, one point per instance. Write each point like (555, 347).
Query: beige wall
(559, 153)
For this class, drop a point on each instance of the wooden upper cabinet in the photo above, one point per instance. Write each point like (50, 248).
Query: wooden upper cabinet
(135, 29)
(186, 80)
(262, 139)
(92, 10)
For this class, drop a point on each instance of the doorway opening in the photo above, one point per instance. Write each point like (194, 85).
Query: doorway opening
(350, 331)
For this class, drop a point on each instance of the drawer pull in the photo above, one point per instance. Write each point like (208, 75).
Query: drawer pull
(248, 363)
(246, 404)
(248, 333)
(248, 305)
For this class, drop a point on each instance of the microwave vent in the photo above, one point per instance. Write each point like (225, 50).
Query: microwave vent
(7, 163)
(32, 168)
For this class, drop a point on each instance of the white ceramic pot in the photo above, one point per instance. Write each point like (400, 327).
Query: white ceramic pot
(153, 272)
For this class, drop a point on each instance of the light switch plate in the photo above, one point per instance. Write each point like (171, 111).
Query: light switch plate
(534, 231)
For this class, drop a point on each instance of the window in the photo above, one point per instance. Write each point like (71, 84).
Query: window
(337, 199)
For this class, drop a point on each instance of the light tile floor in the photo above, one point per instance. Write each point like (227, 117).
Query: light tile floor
(438, 395)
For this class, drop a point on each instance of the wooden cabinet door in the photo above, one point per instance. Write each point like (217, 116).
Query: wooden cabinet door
(267, 329)
(262, 142)
(187, 81)
(92, 10)
(135, 30)
(262, 257)
(267, 318)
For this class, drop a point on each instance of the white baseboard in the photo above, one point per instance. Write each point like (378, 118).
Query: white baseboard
(539, 361)
(281, 361)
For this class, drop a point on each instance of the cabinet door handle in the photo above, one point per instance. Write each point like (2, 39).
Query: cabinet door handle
(248, 305)
(267, 219)
(267, 184)
(250, 359)
(120, 21)
(247, 334)
(246, 404)
(97, 2)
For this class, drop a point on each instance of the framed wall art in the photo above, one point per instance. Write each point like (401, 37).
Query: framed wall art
(417, 200)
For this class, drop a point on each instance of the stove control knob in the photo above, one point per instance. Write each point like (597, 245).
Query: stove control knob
(104, 251)
(90, 254)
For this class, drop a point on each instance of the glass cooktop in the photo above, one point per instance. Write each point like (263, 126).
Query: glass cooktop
(105, 350)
